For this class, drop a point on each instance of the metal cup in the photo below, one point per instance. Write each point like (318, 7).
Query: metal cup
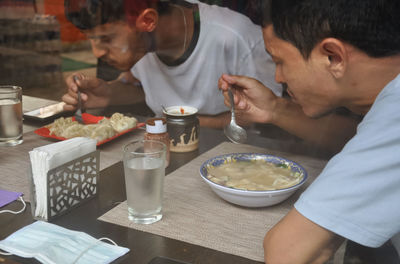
(144, 167)
(10, 115)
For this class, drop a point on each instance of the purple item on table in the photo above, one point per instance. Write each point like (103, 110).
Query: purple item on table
(7, 197)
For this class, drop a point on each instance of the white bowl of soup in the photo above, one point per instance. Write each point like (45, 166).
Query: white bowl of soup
(252, 179)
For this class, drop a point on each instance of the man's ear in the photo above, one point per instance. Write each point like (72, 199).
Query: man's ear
(147, 20)
(336, 54)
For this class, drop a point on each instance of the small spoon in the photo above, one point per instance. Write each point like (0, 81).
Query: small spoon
(233, 131)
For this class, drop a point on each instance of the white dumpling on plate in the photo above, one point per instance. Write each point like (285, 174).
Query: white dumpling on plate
(102, 132)
(120, 122)
(74, 130)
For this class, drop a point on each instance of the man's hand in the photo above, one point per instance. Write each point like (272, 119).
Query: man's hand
(253, 101)
(94, 92)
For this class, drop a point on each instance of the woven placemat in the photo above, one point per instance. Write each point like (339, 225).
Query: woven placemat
(194, 214)
(15, 163)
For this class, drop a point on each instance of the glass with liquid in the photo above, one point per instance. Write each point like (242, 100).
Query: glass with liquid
(10, 115)
(144, 167)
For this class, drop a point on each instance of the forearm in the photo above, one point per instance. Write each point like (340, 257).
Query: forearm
(215, 121)
(331, 131)
(295, 239)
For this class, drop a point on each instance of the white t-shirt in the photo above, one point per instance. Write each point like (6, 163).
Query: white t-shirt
(228, 43)
(357, 195)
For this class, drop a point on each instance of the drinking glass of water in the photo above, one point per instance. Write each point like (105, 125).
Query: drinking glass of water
(10, 115)
(144, 167)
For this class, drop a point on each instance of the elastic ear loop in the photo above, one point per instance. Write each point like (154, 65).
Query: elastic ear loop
(92, 245)
(15, 212)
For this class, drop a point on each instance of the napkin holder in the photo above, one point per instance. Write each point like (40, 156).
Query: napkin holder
(69, 185)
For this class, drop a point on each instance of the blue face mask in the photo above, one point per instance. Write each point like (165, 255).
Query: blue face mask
(52, 244)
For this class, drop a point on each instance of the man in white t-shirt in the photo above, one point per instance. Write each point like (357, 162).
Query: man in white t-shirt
(172, 54)
(335, 53)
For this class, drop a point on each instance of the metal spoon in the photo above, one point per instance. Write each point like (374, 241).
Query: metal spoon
(233, 131)
(78, 113)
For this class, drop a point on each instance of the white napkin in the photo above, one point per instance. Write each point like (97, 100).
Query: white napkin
(51, 156)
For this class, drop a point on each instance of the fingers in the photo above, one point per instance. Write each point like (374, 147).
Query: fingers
(229, 79)
(88, 83)
(238, 81)
(223, 84)
(79, 81)
(70, 102)
(239, 101)
(71, 83)
(84, 97)
(76, 81)
(72, 97)
(227, 102)
(69, 108)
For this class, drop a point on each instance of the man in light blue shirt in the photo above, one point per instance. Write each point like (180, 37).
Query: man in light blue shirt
(335, 53)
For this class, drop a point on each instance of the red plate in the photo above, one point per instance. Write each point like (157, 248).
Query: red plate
(87, 119)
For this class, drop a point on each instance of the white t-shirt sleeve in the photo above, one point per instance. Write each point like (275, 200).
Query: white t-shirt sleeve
(357, 195)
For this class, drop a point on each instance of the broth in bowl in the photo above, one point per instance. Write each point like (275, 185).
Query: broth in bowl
(256, 175)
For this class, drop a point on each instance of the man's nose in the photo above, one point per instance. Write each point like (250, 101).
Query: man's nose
(98, 50)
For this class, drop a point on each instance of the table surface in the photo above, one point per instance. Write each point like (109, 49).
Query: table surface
(144, 246)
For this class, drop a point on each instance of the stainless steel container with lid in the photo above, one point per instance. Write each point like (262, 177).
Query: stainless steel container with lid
(183, 128)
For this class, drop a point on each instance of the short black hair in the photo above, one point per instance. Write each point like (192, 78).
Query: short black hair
(372, 26)
(87, 14)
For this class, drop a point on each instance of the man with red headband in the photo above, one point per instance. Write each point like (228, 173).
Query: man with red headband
(171, 52)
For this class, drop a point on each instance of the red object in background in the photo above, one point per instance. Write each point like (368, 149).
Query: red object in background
(87, 119)
(69, 33)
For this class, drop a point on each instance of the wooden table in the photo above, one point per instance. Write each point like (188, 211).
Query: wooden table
(144, 246)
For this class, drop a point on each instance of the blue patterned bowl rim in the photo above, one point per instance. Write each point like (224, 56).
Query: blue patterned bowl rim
(221, 159)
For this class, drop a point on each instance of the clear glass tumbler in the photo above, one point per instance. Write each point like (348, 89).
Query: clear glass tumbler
(144, 167)
(10, 115)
